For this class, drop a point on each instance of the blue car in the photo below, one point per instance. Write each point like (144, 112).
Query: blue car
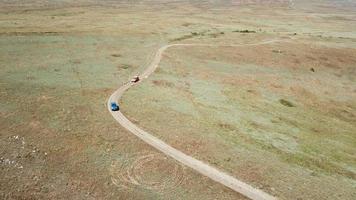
(114, 106)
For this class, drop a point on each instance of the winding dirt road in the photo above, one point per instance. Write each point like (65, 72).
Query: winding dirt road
(197, 165)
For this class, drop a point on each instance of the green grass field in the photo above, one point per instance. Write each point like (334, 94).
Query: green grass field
(270, 120)
(280, 117)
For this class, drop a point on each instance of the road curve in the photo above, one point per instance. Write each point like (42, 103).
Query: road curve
(197, 165)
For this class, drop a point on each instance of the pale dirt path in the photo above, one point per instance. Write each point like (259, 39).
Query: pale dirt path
(197, 165)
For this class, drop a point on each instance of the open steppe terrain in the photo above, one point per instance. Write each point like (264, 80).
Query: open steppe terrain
(279, 116)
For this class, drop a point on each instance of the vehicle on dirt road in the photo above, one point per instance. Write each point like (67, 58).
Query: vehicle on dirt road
(114, 106)
(135, 79)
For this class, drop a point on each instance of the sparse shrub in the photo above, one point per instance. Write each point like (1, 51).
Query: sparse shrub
(124, 66)
(115, 55)
(286, 103)
(244, 31)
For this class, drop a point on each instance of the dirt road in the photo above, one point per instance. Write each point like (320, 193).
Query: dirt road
(199, 166)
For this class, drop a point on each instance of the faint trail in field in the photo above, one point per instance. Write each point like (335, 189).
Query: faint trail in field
(130, 172)
(197, 165)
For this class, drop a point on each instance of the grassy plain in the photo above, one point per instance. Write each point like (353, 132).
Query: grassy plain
(279, 116)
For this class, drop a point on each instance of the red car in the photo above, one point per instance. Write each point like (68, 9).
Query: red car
(135, 79)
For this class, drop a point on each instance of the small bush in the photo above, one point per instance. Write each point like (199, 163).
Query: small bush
(286, 103)
(244, 31)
